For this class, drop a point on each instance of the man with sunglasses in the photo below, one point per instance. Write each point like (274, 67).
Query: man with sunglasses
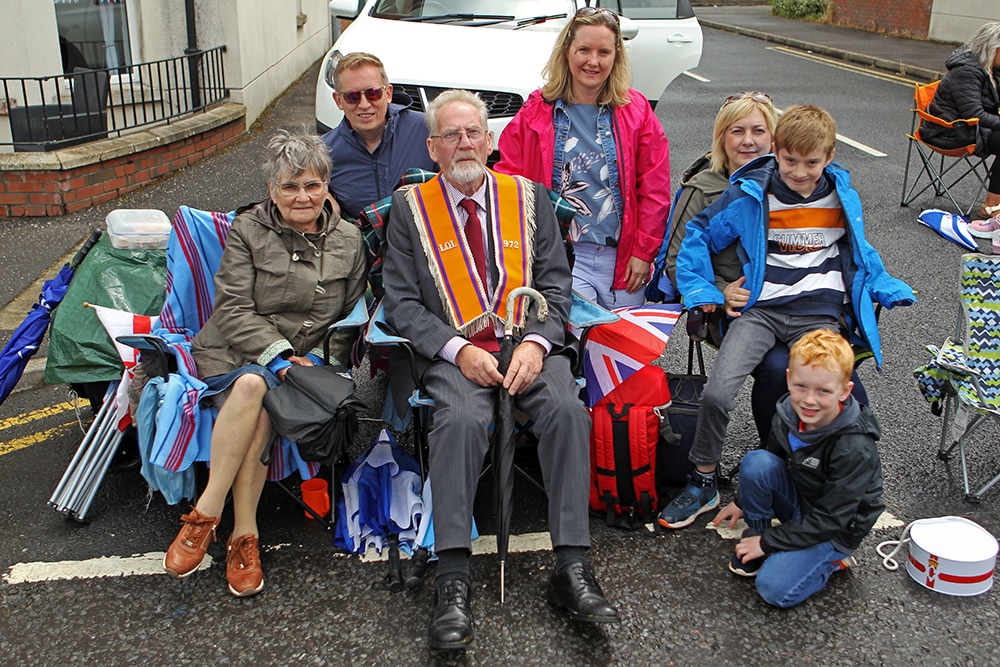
(378, 139)
(455, 248)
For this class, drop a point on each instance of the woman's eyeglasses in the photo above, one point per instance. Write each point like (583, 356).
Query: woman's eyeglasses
(591, 11)
(312, 188)
(354, 96)
(756, 96)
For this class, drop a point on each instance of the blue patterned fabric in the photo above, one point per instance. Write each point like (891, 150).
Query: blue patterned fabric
(970, 364)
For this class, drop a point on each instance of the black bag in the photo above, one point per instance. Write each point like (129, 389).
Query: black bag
(315, 408)
(677, 430)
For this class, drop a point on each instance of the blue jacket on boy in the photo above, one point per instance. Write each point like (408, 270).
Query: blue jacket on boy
(741, 213)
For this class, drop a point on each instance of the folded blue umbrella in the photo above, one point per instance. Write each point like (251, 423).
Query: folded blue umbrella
(952, 227)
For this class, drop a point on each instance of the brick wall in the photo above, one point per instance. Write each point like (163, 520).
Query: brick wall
(906, 18)
(61, 182)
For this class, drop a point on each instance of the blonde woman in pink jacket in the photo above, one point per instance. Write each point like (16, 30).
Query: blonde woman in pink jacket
(590, 137)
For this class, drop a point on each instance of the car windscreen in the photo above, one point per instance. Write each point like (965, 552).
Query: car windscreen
(471, 10)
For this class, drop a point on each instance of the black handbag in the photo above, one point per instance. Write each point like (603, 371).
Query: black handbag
(315, 408)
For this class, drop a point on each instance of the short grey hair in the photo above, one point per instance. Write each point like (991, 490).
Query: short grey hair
(984, 45)
(449, 96)
(293, 153)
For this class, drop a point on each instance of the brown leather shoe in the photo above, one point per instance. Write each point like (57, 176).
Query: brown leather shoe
(243, 571)
(188, 549)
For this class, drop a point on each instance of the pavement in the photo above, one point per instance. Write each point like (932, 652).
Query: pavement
(34, 249)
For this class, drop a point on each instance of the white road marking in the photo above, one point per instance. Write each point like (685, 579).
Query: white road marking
(860, 146)
(105, 566)
(696, 77)
(884, 521)
(152, 563)
(484, 545)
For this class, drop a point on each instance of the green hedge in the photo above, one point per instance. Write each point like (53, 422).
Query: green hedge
(797, 9)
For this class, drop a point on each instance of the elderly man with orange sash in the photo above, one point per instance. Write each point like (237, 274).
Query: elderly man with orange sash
(456, 246)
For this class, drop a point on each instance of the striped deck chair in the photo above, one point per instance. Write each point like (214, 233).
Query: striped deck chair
(178, 433)
(962, 380)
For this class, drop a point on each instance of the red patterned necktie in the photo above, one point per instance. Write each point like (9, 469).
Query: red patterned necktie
(485, 339)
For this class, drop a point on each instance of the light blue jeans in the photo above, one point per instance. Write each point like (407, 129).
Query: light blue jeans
(593, 274)
(786, 578)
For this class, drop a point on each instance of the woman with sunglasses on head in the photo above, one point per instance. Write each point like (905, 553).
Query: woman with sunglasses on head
(291, 267)
(590, 137)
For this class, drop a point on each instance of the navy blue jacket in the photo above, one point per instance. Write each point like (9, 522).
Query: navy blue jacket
(360, 178)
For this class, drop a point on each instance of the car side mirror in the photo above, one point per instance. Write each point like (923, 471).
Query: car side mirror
(629, 27)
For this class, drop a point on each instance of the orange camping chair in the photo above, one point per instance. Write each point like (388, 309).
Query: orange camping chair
(941, 168)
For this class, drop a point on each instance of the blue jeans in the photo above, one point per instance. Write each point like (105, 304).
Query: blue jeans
(593, 274)
(786, 578)
(747, 342)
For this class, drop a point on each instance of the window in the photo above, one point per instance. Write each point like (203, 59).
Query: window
(92, 34)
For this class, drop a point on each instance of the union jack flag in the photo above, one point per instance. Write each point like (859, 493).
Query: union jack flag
(615, 351)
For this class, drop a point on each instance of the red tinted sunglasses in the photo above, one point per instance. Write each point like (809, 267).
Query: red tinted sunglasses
(354, 96)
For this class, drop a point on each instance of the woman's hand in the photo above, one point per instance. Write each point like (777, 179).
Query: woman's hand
(736, 297)
(297, 361)
(636, 275)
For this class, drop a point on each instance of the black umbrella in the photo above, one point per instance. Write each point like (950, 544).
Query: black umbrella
(504, 436)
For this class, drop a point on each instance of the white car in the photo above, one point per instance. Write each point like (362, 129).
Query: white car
(497, 48)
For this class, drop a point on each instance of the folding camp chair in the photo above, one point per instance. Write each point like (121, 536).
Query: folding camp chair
(962, 379)
(941, 168)
(194, 253)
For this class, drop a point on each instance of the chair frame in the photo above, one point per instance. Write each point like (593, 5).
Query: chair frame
(953, 403)
(941, 177)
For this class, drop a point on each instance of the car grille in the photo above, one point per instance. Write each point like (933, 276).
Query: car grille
(499, 105)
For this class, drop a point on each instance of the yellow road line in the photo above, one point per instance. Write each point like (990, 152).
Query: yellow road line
(36, 438)
(42, 413)
(847, 67)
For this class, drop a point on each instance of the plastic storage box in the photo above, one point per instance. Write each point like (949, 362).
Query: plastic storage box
(138, 228)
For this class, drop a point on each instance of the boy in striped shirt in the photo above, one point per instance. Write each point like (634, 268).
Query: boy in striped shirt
(806, 266)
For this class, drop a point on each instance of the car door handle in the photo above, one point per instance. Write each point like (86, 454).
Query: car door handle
(680, 39)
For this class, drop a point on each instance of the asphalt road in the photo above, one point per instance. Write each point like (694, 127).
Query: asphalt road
(679, 604)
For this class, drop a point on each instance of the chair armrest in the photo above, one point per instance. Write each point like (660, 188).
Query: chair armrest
(356, 319)
(584, 313)
(154, 346)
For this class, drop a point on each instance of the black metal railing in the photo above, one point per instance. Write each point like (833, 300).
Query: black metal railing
(105, 102)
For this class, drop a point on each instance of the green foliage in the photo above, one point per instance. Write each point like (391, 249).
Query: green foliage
(798, 9)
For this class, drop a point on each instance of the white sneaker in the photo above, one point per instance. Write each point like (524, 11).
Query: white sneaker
(983, 229)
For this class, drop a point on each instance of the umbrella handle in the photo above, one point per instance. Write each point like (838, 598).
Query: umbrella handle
(529, 293)
(91, 241)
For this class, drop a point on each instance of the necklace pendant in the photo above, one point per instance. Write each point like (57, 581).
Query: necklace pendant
(295, 256)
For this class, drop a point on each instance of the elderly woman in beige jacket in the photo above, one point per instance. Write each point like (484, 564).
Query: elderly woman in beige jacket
(291, 268)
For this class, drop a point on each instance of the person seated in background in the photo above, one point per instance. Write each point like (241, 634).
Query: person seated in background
(455, 248)
(291, 268)
(971, 89)
(378, 139)
(799, 225)
(743, 132)
(819, 474)
(597, 142)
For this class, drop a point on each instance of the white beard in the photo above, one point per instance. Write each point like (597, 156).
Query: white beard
(461, 173)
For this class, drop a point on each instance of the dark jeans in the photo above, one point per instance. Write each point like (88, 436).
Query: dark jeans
(769, 384)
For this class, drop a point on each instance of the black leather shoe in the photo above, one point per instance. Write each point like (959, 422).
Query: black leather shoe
(451, 620)
(575, 589)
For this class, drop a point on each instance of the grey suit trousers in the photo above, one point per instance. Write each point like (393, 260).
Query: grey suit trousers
(459, 443)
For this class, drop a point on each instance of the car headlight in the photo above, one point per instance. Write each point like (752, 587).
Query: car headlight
(331, 64)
